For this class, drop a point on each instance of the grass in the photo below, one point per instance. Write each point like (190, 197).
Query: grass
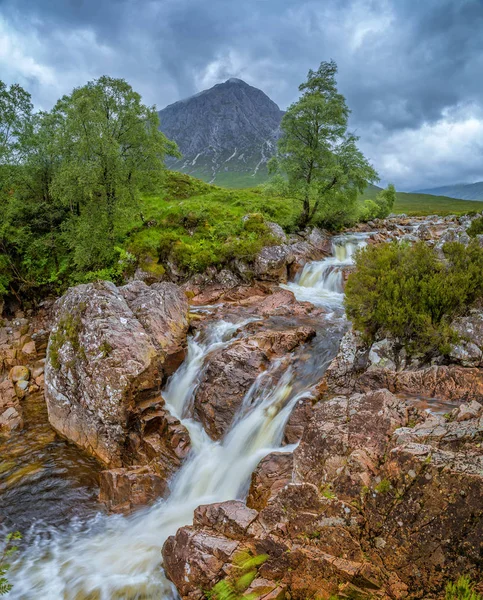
(420, 205)
(197, 225)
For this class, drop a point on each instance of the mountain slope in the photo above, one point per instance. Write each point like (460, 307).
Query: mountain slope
(462, 191)
(226, 134)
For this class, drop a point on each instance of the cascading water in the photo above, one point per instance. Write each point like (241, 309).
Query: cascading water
(321, 282)
(119, 558)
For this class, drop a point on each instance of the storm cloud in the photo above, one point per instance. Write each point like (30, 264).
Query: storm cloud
(411, 71)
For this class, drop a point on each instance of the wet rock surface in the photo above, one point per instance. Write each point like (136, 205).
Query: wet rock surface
(109, 346)
(377, 506)
(230, 372)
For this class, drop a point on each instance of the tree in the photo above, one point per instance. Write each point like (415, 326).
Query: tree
(111, 150)
(380, 207)
(320, 159)
(15, 112)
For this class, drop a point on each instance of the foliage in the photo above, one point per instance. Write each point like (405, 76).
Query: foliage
(476, 227)
(9, 549)
(409, 293)
(76, 176)
(462, 589)
(324, 169)
(245, 568)
(380, 207)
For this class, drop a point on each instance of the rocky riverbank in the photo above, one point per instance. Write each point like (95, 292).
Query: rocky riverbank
(381, 498)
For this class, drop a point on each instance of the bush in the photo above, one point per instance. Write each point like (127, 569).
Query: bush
(409, 293)
(476, 227)
(380, 207)
(463, 589)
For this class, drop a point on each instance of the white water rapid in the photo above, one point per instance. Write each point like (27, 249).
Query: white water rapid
(119, 558)
(321, 282)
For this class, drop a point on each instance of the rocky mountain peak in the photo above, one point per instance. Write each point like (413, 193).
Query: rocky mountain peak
(226, 134)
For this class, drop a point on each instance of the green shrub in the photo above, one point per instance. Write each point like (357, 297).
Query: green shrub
(409, 293)
(476, 227)
(462, 589)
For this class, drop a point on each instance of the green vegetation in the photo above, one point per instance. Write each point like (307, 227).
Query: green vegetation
(462, 589)
(234, 587)
(420, 205)
(8, 550)
(380, 206)
(72, 181)
(410, 294)
(318, 162)
(476, 227)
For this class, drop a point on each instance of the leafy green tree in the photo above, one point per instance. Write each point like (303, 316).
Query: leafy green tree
(324, 168)
(15, 112)
(111, 150)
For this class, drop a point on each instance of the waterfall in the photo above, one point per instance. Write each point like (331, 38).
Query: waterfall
(321, 282)
(116, 557)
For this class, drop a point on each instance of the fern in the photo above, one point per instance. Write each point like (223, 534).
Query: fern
(462, 589)
(9, 549)
(244, 572)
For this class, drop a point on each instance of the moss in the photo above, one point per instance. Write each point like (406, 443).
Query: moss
(326, 491)
(105, 349)
(383, 486)
(67, 331)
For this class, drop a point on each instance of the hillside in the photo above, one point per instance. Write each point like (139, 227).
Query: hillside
(226, 134)
(462, 191)
(419, 204)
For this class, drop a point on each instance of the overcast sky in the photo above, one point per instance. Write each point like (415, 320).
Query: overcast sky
(412, 71)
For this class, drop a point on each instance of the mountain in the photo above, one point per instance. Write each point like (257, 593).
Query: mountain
(462, 191)
(226, 134)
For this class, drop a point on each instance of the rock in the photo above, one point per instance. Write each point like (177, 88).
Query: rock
(226, 378)
(21, 389)
(277, 231)
(102, 357)
(29, 351)
(193, 560)
(231, 371)
(10, 419)
(272, 474)
(232, 519)
(271, 263)
(469, 350)
(122, 489)
(298, 421)
(345, 440)
(162, 310)
(19, 373)
(7, 393)
(354, 370)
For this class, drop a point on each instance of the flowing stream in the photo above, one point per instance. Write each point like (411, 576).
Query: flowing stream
(115, 557)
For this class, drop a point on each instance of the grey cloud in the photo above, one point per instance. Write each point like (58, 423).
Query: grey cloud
(402, 65)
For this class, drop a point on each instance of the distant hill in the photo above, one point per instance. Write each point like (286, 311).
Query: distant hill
(419, 204)
(226, 134)
(462, 191)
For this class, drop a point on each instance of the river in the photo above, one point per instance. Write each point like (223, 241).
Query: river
(74, 551)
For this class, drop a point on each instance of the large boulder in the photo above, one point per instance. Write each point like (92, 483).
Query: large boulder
(109, 347)
(231, 371)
